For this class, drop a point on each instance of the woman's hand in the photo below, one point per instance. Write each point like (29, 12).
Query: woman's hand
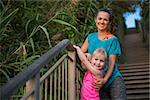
(98, 83)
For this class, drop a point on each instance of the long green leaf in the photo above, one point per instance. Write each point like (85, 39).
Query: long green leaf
(5, 74)
(32, 45)
(7, 19)
(66, 23)
(47, 35)
(26, 26)
(4, 20)
(30, 59)
(35, 29)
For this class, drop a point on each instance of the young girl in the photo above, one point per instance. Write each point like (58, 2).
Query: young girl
(94, 71)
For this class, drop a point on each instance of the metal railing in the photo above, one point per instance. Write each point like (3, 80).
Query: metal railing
(61, 82)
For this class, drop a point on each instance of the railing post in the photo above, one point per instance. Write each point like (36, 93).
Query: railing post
(33, 84)
(71, 76)
(30, 85)
(37, 86)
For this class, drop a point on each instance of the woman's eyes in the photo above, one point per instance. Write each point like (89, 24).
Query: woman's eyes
(106, 19)
(103, 19)
(100, 18)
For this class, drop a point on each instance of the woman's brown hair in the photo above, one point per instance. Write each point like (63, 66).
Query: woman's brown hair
(112, 28)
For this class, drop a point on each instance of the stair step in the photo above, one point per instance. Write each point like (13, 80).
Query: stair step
(137, 86)
(138, 91)
(133, 67)
(135, 64)
(136, 78)
(138, 97)
(135, 74)
(137, 82)
(135, 70)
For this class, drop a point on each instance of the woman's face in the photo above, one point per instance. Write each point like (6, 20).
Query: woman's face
(102, 20)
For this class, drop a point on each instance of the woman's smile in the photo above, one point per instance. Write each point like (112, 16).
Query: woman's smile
(102, 21)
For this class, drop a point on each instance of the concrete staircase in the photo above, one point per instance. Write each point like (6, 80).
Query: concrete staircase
(136, 68)
(136, 77)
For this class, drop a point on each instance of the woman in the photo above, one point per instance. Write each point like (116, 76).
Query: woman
(112, 85)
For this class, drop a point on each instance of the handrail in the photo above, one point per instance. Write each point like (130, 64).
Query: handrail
(12, 85)
(49, 72)
(45, 75)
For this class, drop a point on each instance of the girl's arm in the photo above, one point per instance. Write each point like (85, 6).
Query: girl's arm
(83, 66)
(88, 56)
(86, 62)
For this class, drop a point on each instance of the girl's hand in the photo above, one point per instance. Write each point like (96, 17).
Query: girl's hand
(76, 47)
(88, 56)
(98, 84)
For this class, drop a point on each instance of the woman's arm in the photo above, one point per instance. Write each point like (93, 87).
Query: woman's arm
(85, 61)
(100, 82)
(84, 46)
(84, 49)
(112, 60)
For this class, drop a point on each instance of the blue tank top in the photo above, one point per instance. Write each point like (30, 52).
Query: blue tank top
(111, 46)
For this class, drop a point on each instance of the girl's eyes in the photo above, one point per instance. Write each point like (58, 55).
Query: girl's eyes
(100, 60)
(96, 59)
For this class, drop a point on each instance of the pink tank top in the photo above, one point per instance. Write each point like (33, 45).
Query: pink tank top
(88, 92)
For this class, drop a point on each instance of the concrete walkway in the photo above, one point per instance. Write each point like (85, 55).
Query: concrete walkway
(136, 50)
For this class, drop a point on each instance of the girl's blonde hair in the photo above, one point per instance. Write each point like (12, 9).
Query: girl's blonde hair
(100, 51)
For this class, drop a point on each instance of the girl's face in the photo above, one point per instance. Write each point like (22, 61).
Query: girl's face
(98, 61)
(102, 20)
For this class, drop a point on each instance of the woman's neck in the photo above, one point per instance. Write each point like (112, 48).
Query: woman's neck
(102, 33)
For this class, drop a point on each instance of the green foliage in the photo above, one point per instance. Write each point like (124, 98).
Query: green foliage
(5, 19)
